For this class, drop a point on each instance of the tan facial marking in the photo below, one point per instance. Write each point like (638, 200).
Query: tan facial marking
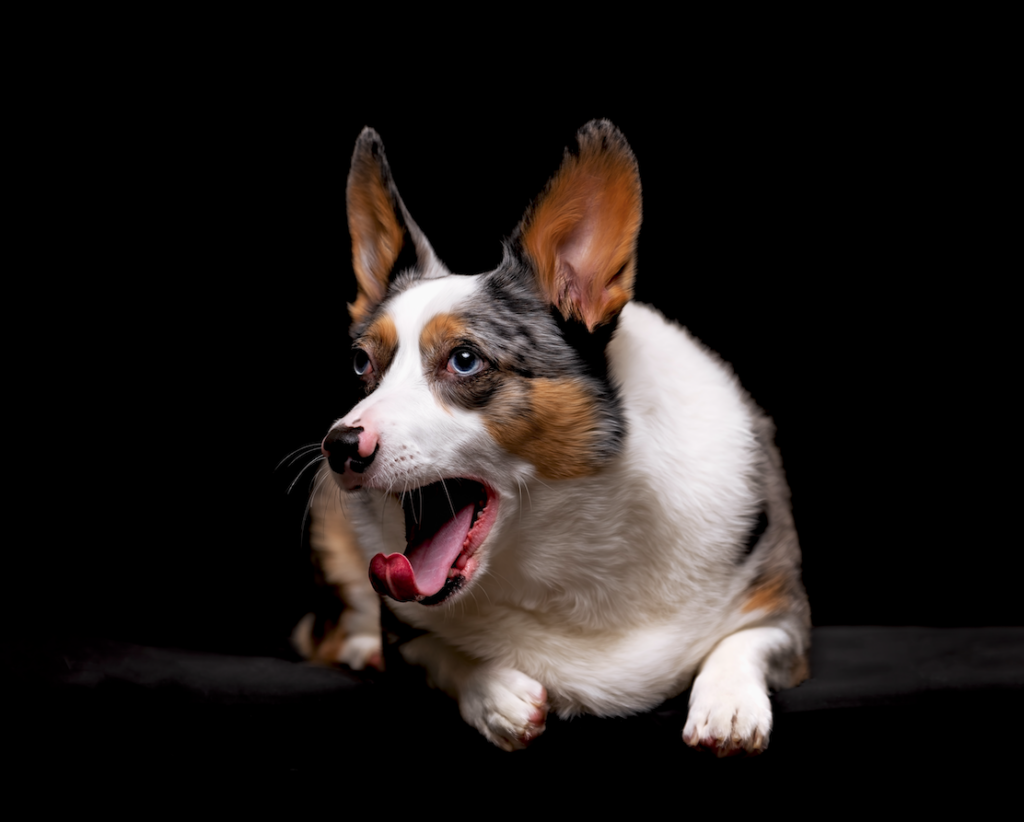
(551, 423)
(383, 334)
(381, 340)
(441, 333)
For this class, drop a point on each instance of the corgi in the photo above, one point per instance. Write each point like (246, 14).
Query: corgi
(571, 502)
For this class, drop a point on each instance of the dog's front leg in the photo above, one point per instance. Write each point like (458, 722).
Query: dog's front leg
(729, 708)
(505, 705)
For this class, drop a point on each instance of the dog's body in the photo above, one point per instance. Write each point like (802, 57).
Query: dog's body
(564, 490)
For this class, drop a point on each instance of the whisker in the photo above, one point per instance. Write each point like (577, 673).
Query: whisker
(519, 486)
(445, 487)
(298, 452)
(541, 482)
(498, 576)
(338, 496)
(526, 487)
(384, 503)
(316, 487)
(412, 506)
(298, 476)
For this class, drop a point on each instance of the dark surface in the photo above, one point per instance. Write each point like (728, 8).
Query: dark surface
(889, 694)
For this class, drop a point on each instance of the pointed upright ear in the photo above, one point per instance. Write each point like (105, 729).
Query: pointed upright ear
(581, 232)
(382, 230)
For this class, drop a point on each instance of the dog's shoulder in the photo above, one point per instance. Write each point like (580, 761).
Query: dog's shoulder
(691, 426)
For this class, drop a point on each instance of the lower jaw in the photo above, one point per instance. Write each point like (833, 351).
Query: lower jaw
(453, 586)
(459, 579)
(464, 569)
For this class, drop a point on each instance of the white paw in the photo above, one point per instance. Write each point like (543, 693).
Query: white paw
(728, 718)
(506, 706)
(360, 651)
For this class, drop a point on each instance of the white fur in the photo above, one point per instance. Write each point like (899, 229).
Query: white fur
(610, 591)
(729, 700)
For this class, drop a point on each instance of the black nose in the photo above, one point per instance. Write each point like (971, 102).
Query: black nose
(342, 446)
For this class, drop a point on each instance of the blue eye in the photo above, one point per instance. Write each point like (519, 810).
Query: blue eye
(465, 362)
(361, 362)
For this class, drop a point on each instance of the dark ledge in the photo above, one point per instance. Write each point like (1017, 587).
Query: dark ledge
(877, 695)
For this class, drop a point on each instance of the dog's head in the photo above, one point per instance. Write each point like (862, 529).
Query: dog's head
(477, 384)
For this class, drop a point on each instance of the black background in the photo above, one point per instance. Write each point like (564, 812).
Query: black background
(827, 227)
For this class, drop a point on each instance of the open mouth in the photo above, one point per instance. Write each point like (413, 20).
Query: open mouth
(445, 524)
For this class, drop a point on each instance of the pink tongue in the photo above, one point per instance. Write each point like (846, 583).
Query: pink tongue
(423, 569)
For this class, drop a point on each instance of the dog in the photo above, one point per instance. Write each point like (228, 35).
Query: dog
(572, 501)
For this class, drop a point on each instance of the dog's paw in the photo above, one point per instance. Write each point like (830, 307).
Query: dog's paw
(336, 647)
(728, 719)
(505, 705)
(360, 651)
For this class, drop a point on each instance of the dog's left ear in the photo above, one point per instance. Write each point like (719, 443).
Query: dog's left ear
(385, 239)
(581, 232)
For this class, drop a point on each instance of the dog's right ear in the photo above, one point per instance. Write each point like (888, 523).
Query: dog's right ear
(385, 240)
(581, 232)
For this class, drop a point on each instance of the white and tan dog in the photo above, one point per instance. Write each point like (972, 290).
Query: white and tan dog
(573, 500)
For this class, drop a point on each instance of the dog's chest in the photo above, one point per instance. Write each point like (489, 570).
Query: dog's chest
(635, 564)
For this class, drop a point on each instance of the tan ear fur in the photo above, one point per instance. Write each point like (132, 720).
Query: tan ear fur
(374, 222)
(582, 231)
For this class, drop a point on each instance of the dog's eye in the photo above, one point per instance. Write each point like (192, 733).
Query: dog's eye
(465, 362)
(361, 363)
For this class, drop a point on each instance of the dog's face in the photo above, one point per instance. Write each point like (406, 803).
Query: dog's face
(478, 384)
